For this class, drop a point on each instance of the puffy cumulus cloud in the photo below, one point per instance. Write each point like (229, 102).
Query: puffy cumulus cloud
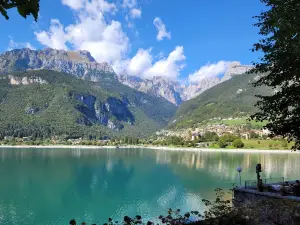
(74, 4)
(106, 41)
(135, 13)
(142, 64)
(13, 45)
(91, 5)
(55, 37)
(208, 71)
(168, 67)
(162, 30)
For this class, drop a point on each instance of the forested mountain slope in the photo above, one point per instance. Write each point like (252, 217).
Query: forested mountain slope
(232, 98)
(46, 103)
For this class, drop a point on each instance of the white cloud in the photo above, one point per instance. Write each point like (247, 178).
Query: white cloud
(129, 3)
(142, 64)
(106, 41)
(55, 37)
(162, 30)
(168, 67)
(15, 45)
(74, 4)
(91, 5)
(94, 7)
(132, 11)
(208, 71)
(135, 13)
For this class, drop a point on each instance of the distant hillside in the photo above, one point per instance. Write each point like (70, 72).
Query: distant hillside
(45, 103)
(232, 98)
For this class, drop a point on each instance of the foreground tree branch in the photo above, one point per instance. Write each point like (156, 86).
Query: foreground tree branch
(24, 7)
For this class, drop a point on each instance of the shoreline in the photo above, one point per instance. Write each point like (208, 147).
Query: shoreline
(163, 148)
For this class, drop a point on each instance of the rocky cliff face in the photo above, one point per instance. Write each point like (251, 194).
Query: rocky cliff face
(193, 90)
(157, 86)
(236, 68)
(80, 64)
(110, 113)
(173, 91)
(13, 80)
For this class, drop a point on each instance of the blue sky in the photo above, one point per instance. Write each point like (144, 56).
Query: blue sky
(177, 39)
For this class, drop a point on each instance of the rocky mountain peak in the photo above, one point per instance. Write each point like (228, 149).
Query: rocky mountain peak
(78, 56)
(175, 91)
(80, 63)
(193, 90)
(157, 86)
(236, 68)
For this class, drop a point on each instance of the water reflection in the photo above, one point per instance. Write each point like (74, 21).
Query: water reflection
(47, 186)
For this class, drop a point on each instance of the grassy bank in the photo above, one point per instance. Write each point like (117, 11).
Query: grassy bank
(260, 145)
(267, 144)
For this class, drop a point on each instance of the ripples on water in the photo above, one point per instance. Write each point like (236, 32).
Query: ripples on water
(51, 186)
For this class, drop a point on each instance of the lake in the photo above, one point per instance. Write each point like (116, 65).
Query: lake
(52, 186)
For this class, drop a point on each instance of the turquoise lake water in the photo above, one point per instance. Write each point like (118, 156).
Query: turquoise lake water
(52, 186)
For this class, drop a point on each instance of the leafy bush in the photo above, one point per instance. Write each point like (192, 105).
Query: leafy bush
(238, 143)
(222, 143)
(228, 138)
(209, 136)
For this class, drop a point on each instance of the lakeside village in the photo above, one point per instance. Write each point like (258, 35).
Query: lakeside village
(219, 134)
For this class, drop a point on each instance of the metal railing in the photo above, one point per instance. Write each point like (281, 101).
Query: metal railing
(253, 183)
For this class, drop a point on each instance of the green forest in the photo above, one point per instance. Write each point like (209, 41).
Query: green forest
(58, 104)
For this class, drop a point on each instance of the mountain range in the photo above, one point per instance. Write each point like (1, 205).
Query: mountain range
(82, 65)
(55, 92)
(51, 92)
(176, 92)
